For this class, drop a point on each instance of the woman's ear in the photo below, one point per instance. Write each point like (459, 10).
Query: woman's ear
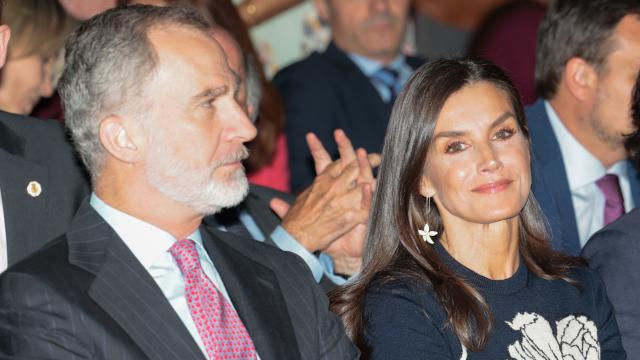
(426, 187)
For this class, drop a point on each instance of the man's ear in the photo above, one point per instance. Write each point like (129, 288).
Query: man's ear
(581, 79)
(119, 141)
(5, 34)
(322, 7)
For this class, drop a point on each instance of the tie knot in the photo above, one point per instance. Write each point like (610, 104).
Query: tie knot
(186, 255)
(610, 187)
(387, 76)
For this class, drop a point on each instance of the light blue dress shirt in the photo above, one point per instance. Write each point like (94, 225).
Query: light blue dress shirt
(370, 67)
(150, 245)
(284, 241)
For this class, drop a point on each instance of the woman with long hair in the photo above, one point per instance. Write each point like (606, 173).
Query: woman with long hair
(457, 263)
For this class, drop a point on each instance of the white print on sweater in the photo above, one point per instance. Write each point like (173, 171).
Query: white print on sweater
(576, 338)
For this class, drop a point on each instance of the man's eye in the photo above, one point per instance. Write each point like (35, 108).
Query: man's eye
(504, 134)
(455, 147)
(209, 103)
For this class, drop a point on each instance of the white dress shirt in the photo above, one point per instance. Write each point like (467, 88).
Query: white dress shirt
(150, 245)
(583, 170)
(4, 250)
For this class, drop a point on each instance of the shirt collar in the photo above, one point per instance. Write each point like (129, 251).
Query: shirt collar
(369, 66)
(147, 242)
(581, 166)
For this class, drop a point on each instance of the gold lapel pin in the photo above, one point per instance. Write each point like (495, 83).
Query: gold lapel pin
(34, 188)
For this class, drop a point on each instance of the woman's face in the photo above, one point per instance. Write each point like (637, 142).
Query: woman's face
(477, 168)
(24, 81)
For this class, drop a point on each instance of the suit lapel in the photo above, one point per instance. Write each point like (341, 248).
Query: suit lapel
(17, 204)
(125, 290)
(256, 295)
(550, 180)
(261, 213)
(634, 183)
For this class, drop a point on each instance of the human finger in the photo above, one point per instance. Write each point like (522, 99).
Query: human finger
(321, 158)
(345, 148)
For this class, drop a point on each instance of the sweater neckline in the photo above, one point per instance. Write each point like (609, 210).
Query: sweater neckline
(507, 286)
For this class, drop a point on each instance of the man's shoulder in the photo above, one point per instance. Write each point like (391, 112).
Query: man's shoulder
(317, 67)
(621, 236)
(44, 261)
(46, 270)
(35, 130)
(43, 141)
(415, 61)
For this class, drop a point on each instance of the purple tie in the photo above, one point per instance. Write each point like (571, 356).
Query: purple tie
(613, 204)
(220, 328)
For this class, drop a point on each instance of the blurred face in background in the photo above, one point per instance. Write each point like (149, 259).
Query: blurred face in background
(38, 32)
(371, 28)
(25, 79)
(85, 9)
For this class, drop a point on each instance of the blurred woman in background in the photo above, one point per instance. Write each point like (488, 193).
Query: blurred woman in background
(39, 29)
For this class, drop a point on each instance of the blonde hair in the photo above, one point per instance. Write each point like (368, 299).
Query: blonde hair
(38, 27)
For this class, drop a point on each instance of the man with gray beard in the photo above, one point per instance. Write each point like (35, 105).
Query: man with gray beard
(588, 55)
(151, 104)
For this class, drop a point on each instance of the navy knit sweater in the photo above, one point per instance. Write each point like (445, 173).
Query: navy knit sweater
(533, 319)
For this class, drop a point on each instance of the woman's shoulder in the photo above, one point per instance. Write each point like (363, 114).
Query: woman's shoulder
(391, 284)
(404, 320)
(402, 296)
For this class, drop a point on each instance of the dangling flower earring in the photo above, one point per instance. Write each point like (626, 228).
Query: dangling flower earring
(426, 233)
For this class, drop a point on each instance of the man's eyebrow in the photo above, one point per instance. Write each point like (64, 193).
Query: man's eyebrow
(454, 133)
(211, 92)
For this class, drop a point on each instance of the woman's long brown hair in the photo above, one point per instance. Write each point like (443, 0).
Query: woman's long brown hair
(394, 250)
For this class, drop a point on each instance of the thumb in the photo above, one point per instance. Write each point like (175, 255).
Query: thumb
(279, 206)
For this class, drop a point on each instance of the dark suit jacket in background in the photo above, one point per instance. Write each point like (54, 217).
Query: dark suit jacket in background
(614, 252)
(324, 92)
(37, 150)
(86, 296)
(257, 205)
(551, 185)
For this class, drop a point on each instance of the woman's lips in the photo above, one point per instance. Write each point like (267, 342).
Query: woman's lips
(493, 187)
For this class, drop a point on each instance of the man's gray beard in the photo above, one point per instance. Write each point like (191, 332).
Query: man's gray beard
(197, 189)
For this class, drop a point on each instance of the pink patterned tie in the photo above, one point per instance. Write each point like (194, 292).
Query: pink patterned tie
(613, 203)
(220, 328)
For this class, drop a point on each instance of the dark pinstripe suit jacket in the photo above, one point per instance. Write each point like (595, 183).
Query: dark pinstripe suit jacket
(86, 296)
(37, 150)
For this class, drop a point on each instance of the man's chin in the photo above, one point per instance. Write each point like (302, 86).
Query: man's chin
(229, 193)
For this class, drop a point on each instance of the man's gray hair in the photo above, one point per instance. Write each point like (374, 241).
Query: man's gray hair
(108, 61)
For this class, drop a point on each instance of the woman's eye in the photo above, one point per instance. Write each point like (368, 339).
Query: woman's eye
(455, 147)
(504, 134)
